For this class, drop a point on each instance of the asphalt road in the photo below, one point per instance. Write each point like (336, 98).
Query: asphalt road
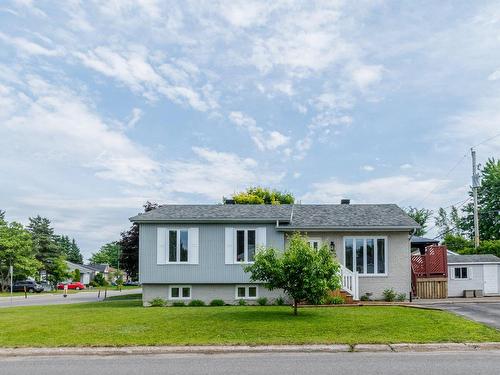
(58, 299)
(487, 313)
(456, 363)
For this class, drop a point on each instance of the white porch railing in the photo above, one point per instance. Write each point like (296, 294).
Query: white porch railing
(350, 282)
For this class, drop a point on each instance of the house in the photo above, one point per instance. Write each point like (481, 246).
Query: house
(478, 272)
(86, 273)
(198, 251)
(104, 269)
(420, 243)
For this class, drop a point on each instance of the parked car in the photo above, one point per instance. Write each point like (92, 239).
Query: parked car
(131, 283)
(74, 285)
(29, 285)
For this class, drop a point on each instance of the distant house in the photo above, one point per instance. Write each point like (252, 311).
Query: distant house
(86, 273)
(478, 272)
(106, 270)
(199, 251)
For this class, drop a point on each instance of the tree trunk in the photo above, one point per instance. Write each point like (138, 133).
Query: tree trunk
(295, 302)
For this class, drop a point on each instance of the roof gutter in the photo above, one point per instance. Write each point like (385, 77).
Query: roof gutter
(342, 228)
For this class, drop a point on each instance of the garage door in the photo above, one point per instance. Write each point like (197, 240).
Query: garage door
(490, 278)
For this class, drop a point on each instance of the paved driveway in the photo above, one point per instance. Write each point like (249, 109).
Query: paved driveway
(58, 299)
(483, 312)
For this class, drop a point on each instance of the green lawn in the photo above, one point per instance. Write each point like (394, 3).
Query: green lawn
(120, 322)
(71, 291)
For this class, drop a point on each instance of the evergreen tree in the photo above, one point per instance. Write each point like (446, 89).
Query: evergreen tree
(74, 254)
(45, 246)
(129, 244)
(70, 249)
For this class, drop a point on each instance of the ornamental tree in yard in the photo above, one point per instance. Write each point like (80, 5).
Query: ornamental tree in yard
(302, 272)
(16, 250)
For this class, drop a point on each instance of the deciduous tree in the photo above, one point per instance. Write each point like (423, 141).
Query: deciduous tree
(16, 249)
(421, 216)
(260, 195)
(302, 272)
(129, 244)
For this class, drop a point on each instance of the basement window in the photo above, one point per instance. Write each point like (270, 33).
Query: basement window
(180, 292)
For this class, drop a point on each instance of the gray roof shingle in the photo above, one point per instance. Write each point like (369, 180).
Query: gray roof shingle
(473, 258)
(290, 216)
(350, 215)
(215, 212)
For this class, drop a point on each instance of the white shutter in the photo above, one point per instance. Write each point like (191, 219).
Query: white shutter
(261, 238)
(161, 245)
(193, 245)
(229, 245)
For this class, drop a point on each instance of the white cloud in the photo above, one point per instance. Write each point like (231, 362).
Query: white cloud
(245, 13)
(28, 47)
(217, 173)
(133, 69)
(270, 140)
(406, 166)
(494, 76)
(368, 168)
(474, 126)
(59, 124)
(393, 189)
(366, 75)
(134, 117)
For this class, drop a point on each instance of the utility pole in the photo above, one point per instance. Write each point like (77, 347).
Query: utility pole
(475, 185)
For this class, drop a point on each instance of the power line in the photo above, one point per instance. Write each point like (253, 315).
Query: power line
(487, 140)
(452, 169)
(459, 204)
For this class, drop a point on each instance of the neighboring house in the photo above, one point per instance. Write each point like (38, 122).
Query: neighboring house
(104, 269)
(86, 273)
(420, 243)
(198, 251)
(473, 272)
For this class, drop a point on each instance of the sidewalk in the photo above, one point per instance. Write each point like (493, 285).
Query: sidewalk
(148, 350)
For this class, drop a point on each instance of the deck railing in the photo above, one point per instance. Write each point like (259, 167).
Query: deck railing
(350, 282)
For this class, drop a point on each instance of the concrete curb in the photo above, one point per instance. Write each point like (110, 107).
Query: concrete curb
(144, 350)
(223, 349)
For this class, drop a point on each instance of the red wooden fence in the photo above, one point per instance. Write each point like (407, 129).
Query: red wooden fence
(434, 263)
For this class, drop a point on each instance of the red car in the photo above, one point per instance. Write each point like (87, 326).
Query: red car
(74, 285)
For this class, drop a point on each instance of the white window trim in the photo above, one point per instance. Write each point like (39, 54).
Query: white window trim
(180, 292)
(311, 240)
(375, 238)
(469, 273)
(178, 246)
(245, 240)
(246, 291)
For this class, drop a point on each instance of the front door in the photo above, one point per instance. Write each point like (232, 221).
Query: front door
(490, 278)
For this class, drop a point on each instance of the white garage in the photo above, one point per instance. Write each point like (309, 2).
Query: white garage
(479, 273)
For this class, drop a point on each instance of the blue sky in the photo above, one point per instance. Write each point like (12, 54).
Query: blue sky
(104, 105)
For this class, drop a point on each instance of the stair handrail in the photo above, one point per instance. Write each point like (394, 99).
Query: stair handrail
(350, 282)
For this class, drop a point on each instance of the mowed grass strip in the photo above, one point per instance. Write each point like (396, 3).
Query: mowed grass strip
(126, 322)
